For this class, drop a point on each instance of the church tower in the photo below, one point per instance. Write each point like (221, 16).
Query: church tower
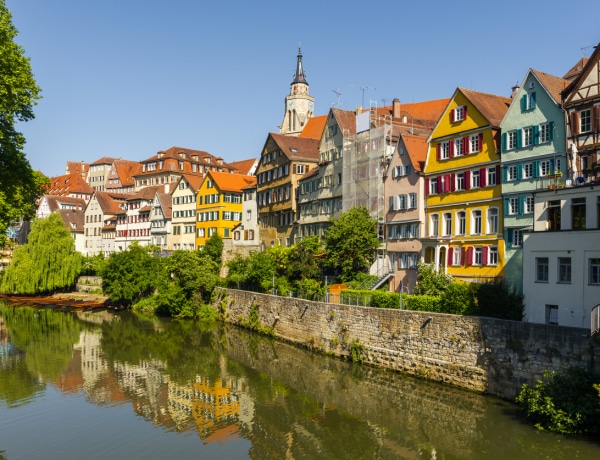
(299, 105)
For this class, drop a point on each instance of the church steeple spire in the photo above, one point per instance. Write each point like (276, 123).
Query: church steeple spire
(299, 104)
(299, 76)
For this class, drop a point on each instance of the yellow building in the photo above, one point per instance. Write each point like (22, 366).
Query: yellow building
(219, 204)
(463, 188)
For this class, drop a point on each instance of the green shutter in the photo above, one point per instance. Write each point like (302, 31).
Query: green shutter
(519, 138)
(519, 171)
(536, 169)
(536, 134)
(504, 142)
(506, 206)
(551, 134)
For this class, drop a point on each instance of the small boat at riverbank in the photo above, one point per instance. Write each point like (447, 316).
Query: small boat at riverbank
(58, 301)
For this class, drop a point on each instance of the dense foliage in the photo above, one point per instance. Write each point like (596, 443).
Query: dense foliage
(47, 263)
(20, 186)
(350, 243)
(566, 402)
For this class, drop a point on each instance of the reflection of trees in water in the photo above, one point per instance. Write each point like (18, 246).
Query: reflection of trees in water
(44, 340)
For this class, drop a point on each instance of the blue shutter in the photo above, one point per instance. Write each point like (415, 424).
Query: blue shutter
(504, 173)
(510, 239)
(551, 137)
(536, 169)
(521, 204)
(519, 138)
(504, 142)
(506, 206)
(536, 134)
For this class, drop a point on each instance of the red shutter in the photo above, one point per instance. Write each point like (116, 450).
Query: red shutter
(484, 255)
(450, 254)
(452, 116)
(467, 180)
(447, 183)
(439, 184)
(427, 186)
(462, 255)
(466, 145)
(470, 255)
(451, 145)
(480, 142)
(596, 118)
(438, 149)
(482, 177)
(452, 182)
(464, 112)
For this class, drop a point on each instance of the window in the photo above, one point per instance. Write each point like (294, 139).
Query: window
(475, 179)
(513, 206)
(477, 255)
(528, 205)
(585, 121)
(444, 150)
(545, 133)
(544, 167)
(412, 200)
(456, 256)
(474, 143)
(554, 215)
(517, 238)
(541, 269)
(461, 223)
(459, 113)
(594, 271)
(527, 136)
(434, 225)
(460, 181)
(527, 170)
(491, 176)
(564, 269)
(511, 173)
(447, 224)
(492, 220)
(528, 101)
(551, 314)
(578, 214)
(458, 147)
(493, 255)
(433, 186)
(476, 225)
(511, 140)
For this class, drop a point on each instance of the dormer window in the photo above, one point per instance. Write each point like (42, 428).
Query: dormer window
(459, 113)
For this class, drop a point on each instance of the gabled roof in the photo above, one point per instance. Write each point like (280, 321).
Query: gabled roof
(553, 85)
(592, 62)
(226, 182)
(346, 120)
(491, 106)
(126, 170)
(416, 148)
(297, 148)
(194, 181)
(313, 172)
(73, 219)
(244, 166)
(69, 183)
(77, 167)
(166, 203)
(104, 161)
(147, 193)
(576, 69)
(314, 127)
(55, 202)
(110, 202)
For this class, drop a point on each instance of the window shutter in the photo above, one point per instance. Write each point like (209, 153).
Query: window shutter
(506, 206)
(574, 122)
(519, 138)
(532, 100)
(504, 142)
(480, 142)
(451, 145)
(470, 255)
(293, 169)
(452, 115)
(510, 238)
(551, 133)
(466, 145)
(504, 174)
(497, 174)
(427, 186)
(596, 118)
(452, 182)
(519, 171)
(482, 177)
(450, 254)
(521, 205)
(467, 180)
(447, 183)
(391, 203)
(484, 255)
(536, 169)
(438, 149)
(464, 112)
(551, 165)
(463, 251)
(439, 184)
(536, 134)
(523, 102)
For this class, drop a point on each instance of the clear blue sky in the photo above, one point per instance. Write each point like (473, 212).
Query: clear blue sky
(126, 78)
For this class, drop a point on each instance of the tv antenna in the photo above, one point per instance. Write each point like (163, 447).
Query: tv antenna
(362, 88)
(585, 48)
(338, 94)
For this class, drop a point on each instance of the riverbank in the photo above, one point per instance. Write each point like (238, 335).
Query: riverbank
(61, 300)
(485, 355)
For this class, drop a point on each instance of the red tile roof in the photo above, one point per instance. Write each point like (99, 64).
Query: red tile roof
(110, 202)
(297, 148)
(69, 184)
(576, 69)
(243, 166)
(554, 85)
(314, 127)
(417, 148)
(231, 182)
(491, 106)
(104, 161)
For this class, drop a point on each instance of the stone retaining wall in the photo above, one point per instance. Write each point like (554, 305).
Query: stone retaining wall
(480, 354)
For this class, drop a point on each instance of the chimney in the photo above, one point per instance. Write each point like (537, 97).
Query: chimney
(514, 91)
(358, 110)
(396, 108)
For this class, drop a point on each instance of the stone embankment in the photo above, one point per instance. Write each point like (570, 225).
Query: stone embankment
(481, 354)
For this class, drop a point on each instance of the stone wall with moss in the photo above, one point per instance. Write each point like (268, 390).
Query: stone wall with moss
(480, 354)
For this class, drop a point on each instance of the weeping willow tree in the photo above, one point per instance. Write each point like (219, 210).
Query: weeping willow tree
(47, 263)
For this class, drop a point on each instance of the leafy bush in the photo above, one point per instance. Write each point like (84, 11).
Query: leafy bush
(567, 402)
(457, 299)
(385, 299)
(497, 301)
(422, 303)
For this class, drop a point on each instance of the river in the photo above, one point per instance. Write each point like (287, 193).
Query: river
(104, 384)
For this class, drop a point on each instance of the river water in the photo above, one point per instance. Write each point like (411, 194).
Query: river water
(100, 384)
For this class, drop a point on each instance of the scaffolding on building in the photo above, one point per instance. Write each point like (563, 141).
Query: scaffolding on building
(366, 156)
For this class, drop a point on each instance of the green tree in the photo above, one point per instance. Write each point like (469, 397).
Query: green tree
(131, 275)
(214, 249)
(20, 186)
(302, 263)
(497, 300)
(351, 241)
(47, 263)
(431, 281)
